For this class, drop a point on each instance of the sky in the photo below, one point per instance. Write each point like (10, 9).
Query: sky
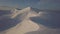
(20, 3)
(40, 4)
(50, 4)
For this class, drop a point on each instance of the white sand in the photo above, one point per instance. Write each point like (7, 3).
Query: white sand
(26, 25)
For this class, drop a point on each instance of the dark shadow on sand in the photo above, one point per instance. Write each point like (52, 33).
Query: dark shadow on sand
(7, 22)
(53, 19)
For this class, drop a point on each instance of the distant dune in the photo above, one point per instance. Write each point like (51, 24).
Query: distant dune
(5, 8)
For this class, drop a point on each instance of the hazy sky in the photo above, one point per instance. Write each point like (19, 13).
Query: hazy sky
(20, 3)
(50, 4)
(41, 4)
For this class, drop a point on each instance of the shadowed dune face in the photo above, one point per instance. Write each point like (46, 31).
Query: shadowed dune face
(6, 22)
(47, 31)
(5, 12)
(50, 19)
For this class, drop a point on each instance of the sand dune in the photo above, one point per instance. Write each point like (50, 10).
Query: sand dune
(28, 26)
